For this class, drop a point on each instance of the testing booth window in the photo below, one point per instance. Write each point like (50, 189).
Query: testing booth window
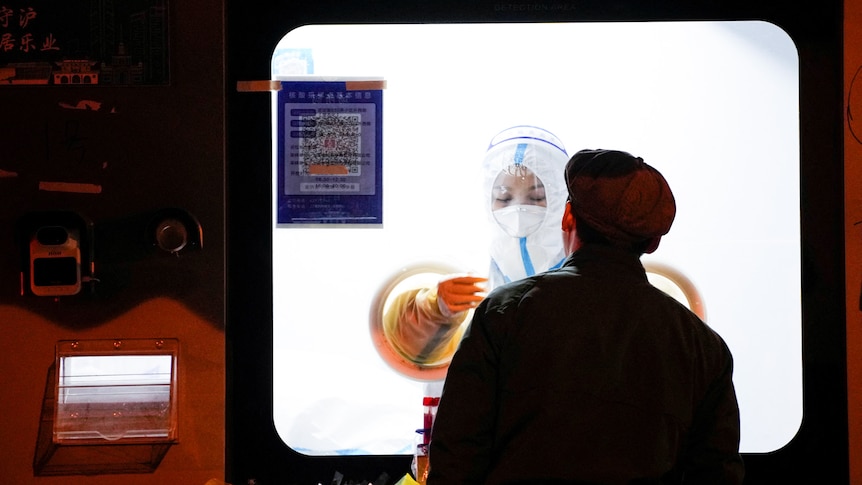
(713, 105)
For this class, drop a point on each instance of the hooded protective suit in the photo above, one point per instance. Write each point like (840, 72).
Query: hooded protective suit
(527, 239)
(513, 254)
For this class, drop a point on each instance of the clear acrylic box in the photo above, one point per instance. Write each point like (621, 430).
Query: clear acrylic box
(110, 407)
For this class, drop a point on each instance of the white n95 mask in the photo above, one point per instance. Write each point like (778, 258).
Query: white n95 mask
(520, 220)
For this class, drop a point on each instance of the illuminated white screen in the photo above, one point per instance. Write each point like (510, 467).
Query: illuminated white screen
(712, 105)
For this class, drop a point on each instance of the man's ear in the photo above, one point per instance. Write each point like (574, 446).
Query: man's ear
(568, 222)
(653, 245)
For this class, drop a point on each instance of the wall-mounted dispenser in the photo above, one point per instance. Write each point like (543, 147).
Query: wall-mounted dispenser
(110, 406)
(56, 252)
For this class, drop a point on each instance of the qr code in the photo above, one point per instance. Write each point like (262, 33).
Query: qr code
(335, 146)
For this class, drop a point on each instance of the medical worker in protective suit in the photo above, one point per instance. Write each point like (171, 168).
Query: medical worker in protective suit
(526, 194)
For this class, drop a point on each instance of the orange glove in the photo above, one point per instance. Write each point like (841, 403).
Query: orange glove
(459, 293)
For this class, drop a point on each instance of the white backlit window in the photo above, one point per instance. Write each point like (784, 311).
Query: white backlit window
(713, 105)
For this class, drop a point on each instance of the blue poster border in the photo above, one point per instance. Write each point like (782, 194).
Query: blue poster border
(365, 206)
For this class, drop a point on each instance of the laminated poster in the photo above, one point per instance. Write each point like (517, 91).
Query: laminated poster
(329, 151)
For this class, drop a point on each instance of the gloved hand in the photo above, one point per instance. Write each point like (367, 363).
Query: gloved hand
(459, 293)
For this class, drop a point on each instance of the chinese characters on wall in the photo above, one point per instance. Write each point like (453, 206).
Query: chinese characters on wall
(90, 42)
(17, 34)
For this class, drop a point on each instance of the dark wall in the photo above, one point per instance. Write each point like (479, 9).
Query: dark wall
(134, 154)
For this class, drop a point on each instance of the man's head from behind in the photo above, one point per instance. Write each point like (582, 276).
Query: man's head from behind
(617, 199)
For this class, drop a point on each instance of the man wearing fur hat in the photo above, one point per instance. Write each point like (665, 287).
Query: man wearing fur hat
(588, 374)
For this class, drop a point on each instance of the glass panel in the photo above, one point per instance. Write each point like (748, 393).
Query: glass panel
(114, 396)
(713, 105)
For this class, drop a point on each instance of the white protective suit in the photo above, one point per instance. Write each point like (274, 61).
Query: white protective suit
(542, 153)
(418, 326)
